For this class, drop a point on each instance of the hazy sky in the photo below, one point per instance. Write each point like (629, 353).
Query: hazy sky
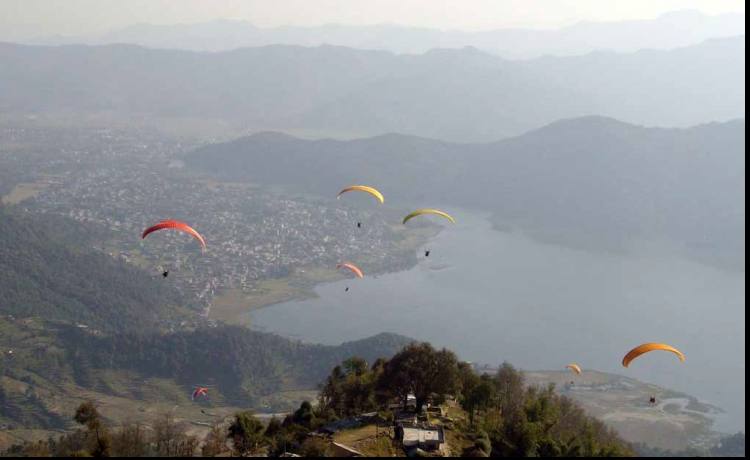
(21, 19)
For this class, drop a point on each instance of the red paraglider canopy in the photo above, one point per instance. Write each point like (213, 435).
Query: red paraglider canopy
(175, 225)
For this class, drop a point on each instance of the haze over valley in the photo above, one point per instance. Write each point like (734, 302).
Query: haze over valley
(595, 171)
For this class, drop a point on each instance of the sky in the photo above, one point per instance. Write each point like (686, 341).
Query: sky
(25, 19)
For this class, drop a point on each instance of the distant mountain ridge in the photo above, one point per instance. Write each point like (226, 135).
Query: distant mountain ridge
(587, 181)
(671, 30)
(460, 95)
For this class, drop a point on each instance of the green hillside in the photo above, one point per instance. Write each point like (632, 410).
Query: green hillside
(74, 321)
(49, 272)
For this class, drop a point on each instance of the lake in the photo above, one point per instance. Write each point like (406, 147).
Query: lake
(493, 296)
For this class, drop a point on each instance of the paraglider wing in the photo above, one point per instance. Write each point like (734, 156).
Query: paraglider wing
(436, 212)
(648, 347)
(200, 391)
(353, 268)
(175, 225)
(363, 188)
(575, 368)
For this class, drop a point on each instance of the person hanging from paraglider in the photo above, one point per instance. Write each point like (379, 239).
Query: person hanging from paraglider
(174, 225)
(647, 348)
(353, 268)
(427, 253)
(359, 224)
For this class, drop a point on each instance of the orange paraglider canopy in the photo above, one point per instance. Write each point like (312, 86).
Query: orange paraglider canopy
(574, 367)
(649, 347)
(353, 268)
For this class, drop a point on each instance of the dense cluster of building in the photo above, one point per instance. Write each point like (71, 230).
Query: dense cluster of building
(123, 182)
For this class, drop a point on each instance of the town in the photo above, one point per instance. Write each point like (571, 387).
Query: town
(118, 182)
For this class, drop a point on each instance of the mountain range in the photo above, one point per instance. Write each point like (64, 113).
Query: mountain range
(461, 95)
(671, 30)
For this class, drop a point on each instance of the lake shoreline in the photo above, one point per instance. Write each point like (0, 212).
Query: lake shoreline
(234, 306)
(561, 298)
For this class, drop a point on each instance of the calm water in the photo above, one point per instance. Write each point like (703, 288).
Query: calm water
(493, 296)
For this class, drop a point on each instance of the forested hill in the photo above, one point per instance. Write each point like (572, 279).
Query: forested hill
(590, 180)
(73, 320)
(49, 272)
(242, 364)
(46, 367)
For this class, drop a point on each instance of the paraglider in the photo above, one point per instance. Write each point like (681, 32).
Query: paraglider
(165, 274)
(574, 368)
(649, 347)
(175, 225)
(351, 267)
(427, 253)
(359, 224)
(363, 188)
(198, 392)
(423, 211)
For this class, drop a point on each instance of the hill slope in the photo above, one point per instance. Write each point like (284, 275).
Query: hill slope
(74, 321)
(47, 271)
(591, 181)
(463, 95)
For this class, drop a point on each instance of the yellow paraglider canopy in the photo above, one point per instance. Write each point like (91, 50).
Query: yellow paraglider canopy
(648, 347)
(363, 188)
(436, 212)
(575, 368)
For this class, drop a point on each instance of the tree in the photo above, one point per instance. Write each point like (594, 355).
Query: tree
(510, 391)
(314, 447)
(246, 433)
(304, 415)
(130, 441)
(350, 389)
(421, 370)
(170, 440)
(273, 428)
(332, 395)
(479, 396)
(355, 366)
(215, 443)
(100, 441)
